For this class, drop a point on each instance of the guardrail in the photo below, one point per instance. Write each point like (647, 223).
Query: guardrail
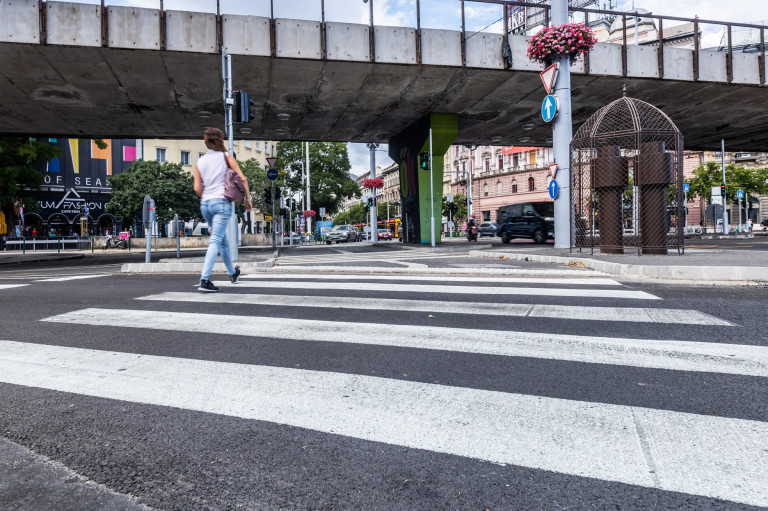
(582, 14)
(40, 244)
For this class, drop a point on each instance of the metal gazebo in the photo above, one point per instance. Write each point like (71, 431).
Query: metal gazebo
(627, 181)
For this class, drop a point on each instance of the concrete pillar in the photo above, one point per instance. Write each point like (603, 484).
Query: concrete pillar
(415, 185)
(610, 176)
(654, 174)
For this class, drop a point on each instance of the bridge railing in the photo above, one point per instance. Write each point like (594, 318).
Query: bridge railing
(470, 17)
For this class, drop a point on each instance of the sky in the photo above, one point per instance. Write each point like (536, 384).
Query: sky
(446, 14)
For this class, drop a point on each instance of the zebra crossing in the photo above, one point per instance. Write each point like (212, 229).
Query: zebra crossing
(700, 454)
(398, 257)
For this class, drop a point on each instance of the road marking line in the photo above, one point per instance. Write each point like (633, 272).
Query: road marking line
(569, 312)
(437, 278)
(715, 457)
(73, 277)
(459, 290)
(10, 286)
(658, 354)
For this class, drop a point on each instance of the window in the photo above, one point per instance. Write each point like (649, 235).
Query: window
(185, 157)
(532, 157)
(485, 189)
(498, 188)
(200, 155)
(501, 163)
(531, 184)
(247, 144)
(161, 155)
(515, 161)
(514, 186)
(487, 166)
(486, 216)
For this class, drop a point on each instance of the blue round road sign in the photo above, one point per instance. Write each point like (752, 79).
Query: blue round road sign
(272, 174)
(553, 189)
(549, 107)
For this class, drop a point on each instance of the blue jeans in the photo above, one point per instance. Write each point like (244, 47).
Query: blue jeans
(218, 214)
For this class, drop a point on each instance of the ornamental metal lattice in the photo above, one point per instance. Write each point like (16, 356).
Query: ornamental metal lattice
(627, 181)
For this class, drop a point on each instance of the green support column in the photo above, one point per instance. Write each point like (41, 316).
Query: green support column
(414, 183)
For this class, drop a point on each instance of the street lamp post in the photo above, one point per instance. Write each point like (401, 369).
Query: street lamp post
(374, 224)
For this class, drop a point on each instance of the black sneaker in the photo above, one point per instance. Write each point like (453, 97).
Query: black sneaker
(233, 278)
(206, 286)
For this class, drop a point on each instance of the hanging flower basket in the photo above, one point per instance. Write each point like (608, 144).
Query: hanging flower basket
(308, 213)
(572, 39)
(376, 182)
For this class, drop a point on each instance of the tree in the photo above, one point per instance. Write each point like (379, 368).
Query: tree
(354, 215)
(461, 212)
(19, 160)
(257, 181)
(169, 186)
(707, 175)
(330, 182)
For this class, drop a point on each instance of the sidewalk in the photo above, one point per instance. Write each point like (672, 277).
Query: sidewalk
(696, 265)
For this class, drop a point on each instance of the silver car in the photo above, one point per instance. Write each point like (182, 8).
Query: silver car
(342, 234)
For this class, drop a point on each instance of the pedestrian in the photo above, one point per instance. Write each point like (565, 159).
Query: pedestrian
(34, 232)
(749, 225)
(209, 182)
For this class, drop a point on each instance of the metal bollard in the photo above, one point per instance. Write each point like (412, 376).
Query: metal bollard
(58, 245)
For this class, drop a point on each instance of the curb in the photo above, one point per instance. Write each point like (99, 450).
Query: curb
(22, 259)
(691, 273)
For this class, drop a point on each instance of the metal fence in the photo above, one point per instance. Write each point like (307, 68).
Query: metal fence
(627, 181)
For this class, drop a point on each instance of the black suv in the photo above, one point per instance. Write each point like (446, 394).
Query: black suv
(535, 220)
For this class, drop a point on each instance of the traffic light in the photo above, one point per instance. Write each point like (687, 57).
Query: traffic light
(722, 192)
(424, 160)
(466, 201)
(370, 201)
(243, 104)
(268, 196)
(367, 210)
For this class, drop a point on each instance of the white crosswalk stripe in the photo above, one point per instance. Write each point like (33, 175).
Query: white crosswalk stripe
(675, 451)
(11, 286)
(585, 439)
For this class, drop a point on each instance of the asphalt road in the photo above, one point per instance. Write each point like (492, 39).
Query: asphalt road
(298, 392)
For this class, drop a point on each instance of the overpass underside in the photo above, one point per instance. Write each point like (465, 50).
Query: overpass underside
(140, 78)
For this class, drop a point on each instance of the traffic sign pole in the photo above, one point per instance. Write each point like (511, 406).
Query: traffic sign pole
(562, 133)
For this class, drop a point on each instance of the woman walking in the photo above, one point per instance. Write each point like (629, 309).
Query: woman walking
(210, 177)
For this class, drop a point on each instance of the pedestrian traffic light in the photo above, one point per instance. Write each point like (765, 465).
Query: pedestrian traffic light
(722, 192)
(370, 201)
(268, 196)
(243, 104)
(424, 160)
(466, 201)
(367, 210)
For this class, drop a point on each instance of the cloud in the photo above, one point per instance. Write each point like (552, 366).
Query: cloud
(360, 158)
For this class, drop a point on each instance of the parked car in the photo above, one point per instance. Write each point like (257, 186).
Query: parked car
(535, 220)
(342, 234)
(385, 234)
(487, 229)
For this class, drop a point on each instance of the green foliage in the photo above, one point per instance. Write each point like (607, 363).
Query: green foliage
(458, 199)
(257, 181)
(707, 175)
(19, 158)
(354, 215)
(169, 186)
(330, 182)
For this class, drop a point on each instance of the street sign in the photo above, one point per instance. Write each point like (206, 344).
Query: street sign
(272, 174)
(322, 211)
(549, 107)
(267, 217)
(271, 160)
(553, 189)
(449, 197)
(740, 194)
(549, 77)
(553, 169)
(686, 188)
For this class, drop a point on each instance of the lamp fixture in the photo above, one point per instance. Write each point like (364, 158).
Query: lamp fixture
(528, 126)
(245, 130)
(496, 138)
(283, 116)
(204, 114)
(279, 131)
(525, 139)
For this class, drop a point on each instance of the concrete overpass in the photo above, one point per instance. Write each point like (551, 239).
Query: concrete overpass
(78, 70)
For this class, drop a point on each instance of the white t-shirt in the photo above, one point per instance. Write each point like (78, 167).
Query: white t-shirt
(212, 168)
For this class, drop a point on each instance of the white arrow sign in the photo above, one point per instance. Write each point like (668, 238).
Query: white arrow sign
(549, 77)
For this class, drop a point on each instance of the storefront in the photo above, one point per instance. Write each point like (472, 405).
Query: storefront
(75, 191)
